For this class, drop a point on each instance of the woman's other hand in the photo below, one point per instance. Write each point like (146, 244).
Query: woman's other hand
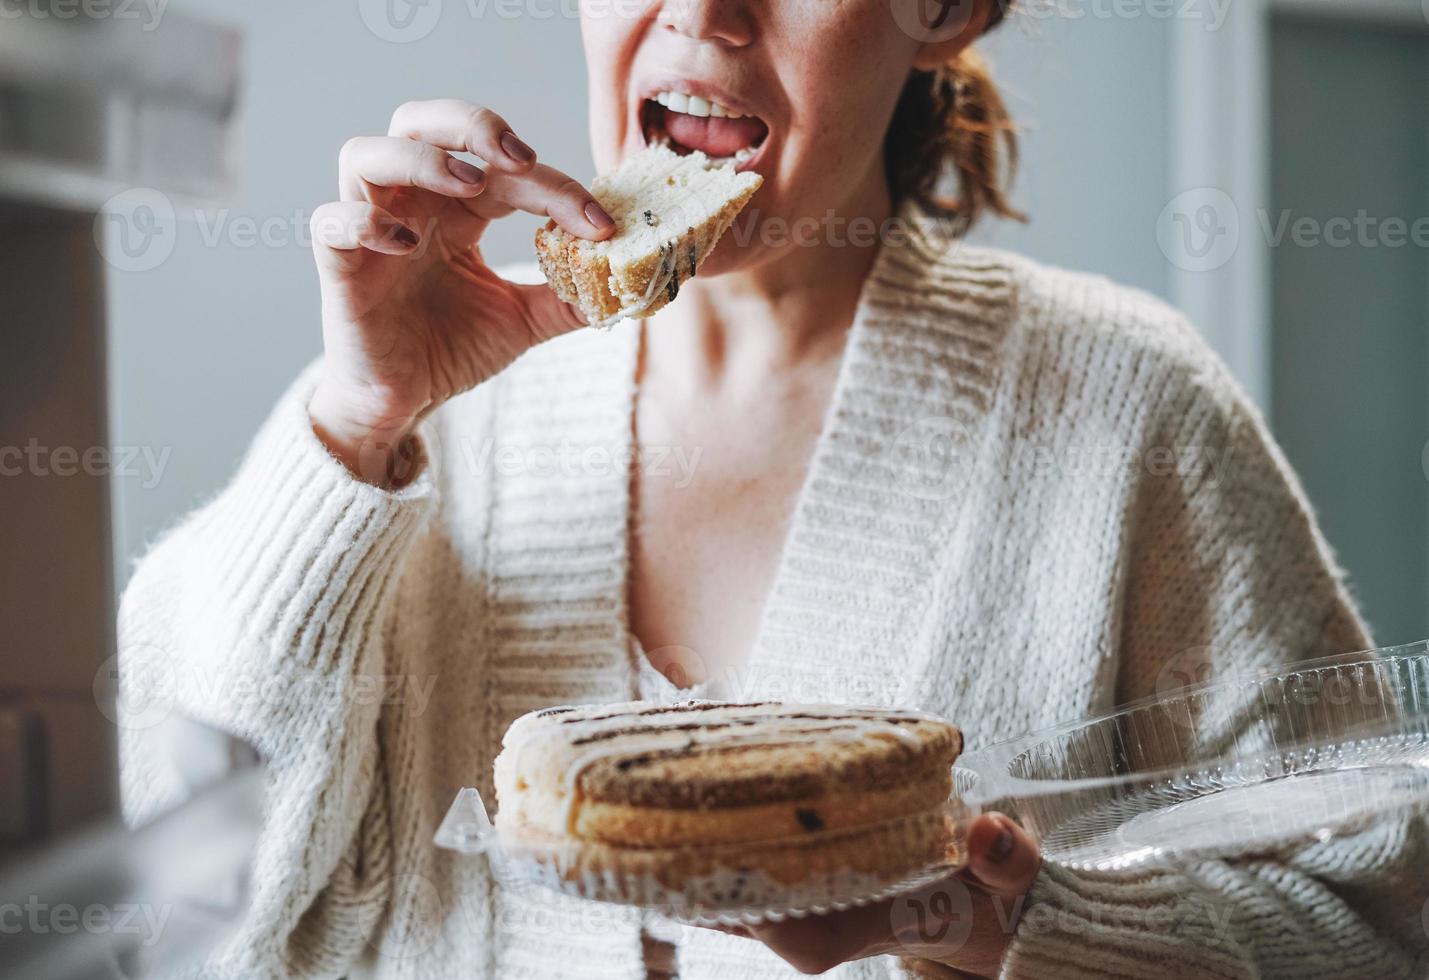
(962, 925)
(412, 316)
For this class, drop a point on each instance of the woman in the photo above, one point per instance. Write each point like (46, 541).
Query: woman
(471, 499)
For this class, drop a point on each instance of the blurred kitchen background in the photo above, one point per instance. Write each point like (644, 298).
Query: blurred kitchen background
(1263, 164)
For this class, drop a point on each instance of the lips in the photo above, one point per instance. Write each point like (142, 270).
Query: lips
(699, 120)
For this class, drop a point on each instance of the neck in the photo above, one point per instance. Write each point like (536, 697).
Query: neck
(779, 316)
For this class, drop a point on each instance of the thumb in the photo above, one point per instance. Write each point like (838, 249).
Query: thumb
(1002, 857)
(548, 315)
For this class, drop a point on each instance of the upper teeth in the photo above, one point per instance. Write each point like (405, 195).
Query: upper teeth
(694, 105)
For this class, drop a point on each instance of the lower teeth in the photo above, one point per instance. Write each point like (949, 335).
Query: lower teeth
(740, 156)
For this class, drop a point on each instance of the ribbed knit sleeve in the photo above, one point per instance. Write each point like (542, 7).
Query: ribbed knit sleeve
(262, 615)
(1227, 569)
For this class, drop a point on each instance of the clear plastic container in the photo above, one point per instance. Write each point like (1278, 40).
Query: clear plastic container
(1241, 765)
(725, 891)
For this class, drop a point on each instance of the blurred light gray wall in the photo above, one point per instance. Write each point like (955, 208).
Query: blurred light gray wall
(1091, 97)
(1351, 314)
(203, 344)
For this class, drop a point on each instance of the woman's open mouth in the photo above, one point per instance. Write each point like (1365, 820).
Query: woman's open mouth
(689, 122)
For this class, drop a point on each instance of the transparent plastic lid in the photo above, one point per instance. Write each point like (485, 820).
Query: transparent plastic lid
(726, 889)
(1245, 764)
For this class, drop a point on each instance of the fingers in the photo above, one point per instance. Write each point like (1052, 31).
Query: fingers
(416, 153)
(456, 125)
(547, 192)
(1002, 857)
(933, 970)
(383, 161)
(742, 931)
(391, 162)
(815, 944)
(518, 181)
(342, 229)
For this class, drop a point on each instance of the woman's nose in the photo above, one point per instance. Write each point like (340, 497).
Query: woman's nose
(722, 21)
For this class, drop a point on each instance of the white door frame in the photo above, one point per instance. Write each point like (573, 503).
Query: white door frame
(1220, 152)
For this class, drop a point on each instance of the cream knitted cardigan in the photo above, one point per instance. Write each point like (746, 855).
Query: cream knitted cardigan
(1034, 491)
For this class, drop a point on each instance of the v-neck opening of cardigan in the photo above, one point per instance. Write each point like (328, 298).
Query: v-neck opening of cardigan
(855, 566)
(742, 670)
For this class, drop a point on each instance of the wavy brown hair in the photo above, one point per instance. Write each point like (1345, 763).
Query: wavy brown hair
(953, 119)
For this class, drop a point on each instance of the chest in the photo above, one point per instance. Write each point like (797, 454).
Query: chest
(819, 548)
(712, 501)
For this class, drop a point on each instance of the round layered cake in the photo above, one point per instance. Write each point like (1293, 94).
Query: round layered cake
(783, 794)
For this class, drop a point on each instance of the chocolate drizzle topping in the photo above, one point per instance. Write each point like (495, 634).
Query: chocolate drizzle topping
(623, 755)
(666, 709)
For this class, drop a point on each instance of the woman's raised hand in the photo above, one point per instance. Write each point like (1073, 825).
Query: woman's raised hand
(411, 313)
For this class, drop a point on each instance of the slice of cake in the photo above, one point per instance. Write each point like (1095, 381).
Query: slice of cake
(670, 211)
(682, 795)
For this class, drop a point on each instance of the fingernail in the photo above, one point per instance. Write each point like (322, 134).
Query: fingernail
(596, 215)
(1001, 846)
(464, 171)
(515, 149)
(406, 236)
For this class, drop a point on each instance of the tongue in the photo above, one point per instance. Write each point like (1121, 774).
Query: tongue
(715, 137)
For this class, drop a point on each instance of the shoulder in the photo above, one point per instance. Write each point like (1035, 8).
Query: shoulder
(1088, 311)
(1085, 340)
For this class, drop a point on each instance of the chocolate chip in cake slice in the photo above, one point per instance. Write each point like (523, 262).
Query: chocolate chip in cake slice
(809, 819)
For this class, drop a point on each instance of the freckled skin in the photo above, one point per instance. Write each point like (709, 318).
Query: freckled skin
(735, 377)
(740, 371)
(824, 75)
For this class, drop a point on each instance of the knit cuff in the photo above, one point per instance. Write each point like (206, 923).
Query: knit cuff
(298, 560)
(1118, 925)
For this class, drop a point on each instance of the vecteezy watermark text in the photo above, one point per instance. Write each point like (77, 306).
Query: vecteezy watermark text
(146, 463)
(1214, 13)
(137, 230)
(1200, 229)
(406, 21)
(933, 456)
(1363, 230)
(830, 229)
(35, 917)
(151, 11)
(138, 688)
(568, 459)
